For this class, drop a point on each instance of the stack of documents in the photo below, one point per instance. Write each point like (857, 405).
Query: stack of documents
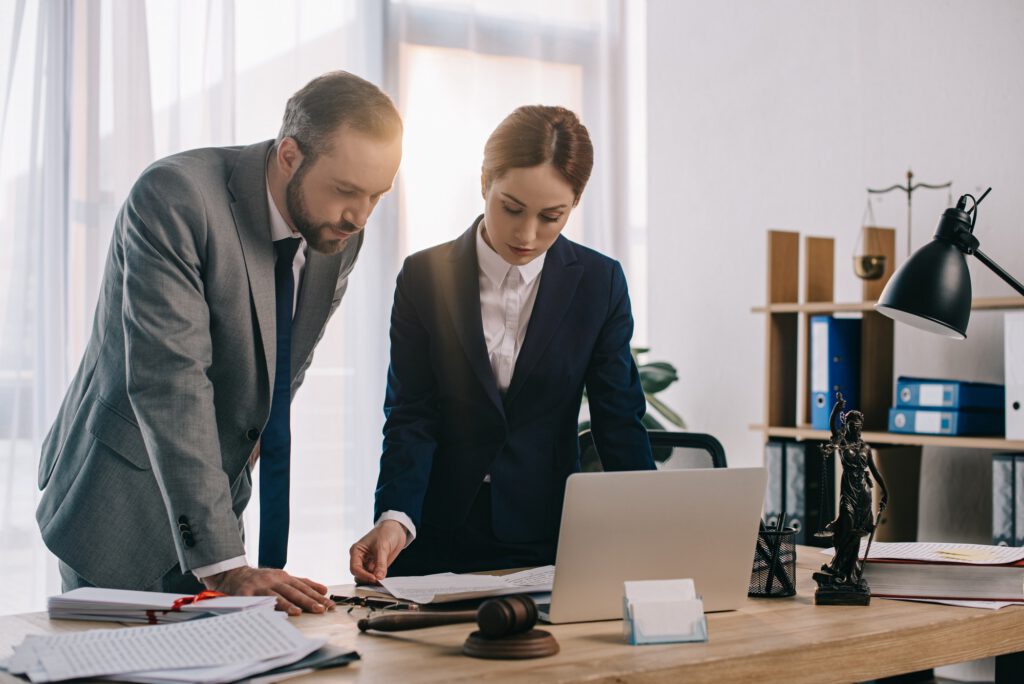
(447, 586)
(118, 605)
(946, 573)
(224, 648)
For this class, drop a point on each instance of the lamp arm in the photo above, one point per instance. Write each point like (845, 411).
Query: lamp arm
(998, 270)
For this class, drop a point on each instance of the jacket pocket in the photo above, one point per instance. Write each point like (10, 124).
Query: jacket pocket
(119, 433)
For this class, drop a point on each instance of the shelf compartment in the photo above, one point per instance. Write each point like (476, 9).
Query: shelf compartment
(782, 329)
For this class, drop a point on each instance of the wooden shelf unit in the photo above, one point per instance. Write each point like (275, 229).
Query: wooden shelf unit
(788, 321)
(787, 399)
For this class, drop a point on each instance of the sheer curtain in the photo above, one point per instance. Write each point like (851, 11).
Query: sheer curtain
(34, 122)
(150, 79)
(219, 74)
(92, 91)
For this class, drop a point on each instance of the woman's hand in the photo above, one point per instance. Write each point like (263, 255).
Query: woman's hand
(370, 557)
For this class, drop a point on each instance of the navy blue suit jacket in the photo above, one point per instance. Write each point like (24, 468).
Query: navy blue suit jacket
(447, 424)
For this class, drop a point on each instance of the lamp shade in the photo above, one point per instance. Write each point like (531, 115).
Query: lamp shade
(931, 290)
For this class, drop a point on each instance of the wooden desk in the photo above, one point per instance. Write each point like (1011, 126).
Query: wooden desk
(780, 640)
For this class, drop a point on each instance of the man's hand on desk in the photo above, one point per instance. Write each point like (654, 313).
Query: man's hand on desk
(294, 594)
(371, 556)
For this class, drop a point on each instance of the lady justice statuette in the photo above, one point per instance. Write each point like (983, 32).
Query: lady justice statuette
(841, 581)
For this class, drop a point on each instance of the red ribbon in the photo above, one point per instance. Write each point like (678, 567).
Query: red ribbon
(151, 615)
(201, 596)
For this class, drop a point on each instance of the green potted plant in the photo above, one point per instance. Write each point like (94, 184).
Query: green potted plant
(655, 376)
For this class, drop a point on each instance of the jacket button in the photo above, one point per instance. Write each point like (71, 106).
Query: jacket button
(189, 540)
(182, 520)
(252, 434)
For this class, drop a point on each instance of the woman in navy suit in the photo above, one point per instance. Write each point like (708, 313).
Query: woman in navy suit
(494, 337)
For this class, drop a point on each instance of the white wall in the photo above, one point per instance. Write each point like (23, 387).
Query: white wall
(779, 115)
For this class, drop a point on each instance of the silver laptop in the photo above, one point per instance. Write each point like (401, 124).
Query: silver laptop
(659, 524)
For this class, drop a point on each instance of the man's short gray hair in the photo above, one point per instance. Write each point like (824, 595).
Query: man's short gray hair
(327, 102)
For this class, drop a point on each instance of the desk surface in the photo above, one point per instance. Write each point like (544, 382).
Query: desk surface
(767, 640)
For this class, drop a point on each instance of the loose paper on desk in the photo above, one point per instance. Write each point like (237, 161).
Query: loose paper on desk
(987, 605)
(942, 552)
(217, 649)
(448, 586)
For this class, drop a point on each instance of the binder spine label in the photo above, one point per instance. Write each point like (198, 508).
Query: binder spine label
(795, 497)
(1003, 515)
(935, 395)
(929, 422)
(1013, 337)
(819, 355)
(774, 463)
(1017, 492)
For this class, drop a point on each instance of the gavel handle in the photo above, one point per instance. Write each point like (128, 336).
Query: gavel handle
(397, 622)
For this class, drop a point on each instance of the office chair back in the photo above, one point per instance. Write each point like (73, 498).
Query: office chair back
(674, 450)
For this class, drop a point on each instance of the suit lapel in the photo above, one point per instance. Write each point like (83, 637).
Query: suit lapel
(319, 282)
(248, 186)
(462, 298)
(558, 281)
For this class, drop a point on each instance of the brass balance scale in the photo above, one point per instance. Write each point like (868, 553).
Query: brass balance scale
(868, 262)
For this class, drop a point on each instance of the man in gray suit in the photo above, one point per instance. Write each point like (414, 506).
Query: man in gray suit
(224, 267)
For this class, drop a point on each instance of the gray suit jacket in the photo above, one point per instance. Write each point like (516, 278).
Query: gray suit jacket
(175, 386)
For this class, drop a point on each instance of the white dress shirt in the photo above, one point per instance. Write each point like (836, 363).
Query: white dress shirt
(279, 230)
(507, 296)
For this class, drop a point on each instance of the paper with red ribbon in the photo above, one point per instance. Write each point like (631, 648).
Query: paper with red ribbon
(120, 605)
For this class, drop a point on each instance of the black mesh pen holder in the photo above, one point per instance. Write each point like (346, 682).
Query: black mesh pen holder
(774, 571)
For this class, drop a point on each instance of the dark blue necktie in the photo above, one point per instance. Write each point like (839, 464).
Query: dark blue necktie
(276, 441)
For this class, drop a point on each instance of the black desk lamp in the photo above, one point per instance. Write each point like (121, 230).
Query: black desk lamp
(932, 289)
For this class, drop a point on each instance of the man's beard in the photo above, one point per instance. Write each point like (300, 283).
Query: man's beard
(323, 236)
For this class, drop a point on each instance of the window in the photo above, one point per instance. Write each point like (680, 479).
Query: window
(93, 92)
(461, 66)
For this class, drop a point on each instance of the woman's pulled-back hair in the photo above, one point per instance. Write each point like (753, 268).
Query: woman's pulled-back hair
(536, 134)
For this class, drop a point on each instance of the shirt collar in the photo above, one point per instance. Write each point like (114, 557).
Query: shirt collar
(279, 229)
(496, 268)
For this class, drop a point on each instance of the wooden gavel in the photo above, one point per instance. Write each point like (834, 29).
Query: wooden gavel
(497, 617)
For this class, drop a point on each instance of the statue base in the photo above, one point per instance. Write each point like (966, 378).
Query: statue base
(831, 593)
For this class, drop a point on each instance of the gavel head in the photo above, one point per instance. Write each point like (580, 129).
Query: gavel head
(500, 617)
